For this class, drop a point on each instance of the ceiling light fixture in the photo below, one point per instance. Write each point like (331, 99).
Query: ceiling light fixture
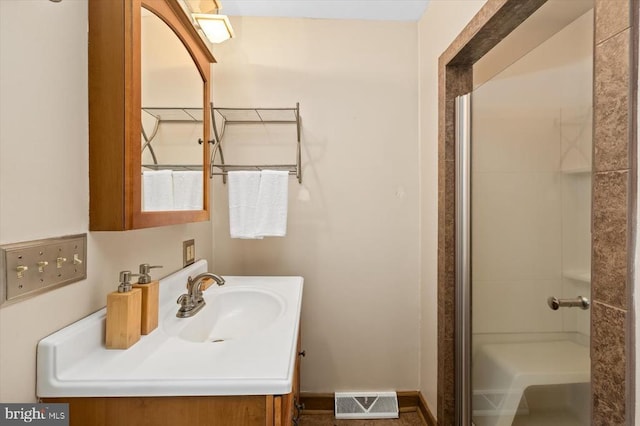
(216, 27)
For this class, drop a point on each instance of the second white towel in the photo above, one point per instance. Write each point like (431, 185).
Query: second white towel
(271, 208)
(258, 204)
(187, 190)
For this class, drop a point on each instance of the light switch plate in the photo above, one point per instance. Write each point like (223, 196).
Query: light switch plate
(34, 267)
(188, 252)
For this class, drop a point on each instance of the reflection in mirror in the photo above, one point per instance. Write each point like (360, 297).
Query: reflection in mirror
(172, 121)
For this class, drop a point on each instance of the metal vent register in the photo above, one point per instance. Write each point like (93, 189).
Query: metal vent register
(366, 405)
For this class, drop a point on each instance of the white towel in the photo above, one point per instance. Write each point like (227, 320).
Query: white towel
(157, 190)
(271, 208)
(187, 190)
(243, 197)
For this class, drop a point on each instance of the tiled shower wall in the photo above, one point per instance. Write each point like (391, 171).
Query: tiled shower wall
(614, 174)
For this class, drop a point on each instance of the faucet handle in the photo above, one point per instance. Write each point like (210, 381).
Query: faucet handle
(183, 300)
(145, 277)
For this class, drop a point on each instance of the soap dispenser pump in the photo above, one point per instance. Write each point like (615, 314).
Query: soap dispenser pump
(150, 295)
(123, 314)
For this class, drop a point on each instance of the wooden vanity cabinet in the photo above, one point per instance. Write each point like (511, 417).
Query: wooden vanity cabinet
(244, 410)
(115, 179)
(175, 411)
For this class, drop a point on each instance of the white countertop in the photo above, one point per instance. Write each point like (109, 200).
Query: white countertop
(75, 363)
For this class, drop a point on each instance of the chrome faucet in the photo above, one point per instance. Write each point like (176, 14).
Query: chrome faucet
(192, 301)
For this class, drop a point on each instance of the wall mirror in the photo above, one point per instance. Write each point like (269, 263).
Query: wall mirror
(172, 120)
(149, 84)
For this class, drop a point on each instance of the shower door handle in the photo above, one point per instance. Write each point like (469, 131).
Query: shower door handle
(580, 302)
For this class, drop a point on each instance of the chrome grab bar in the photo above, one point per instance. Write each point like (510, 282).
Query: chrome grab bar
(580, 302)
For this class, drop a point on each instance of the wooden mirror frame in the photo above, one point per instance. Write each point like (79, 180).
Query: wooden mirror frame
(115, 181)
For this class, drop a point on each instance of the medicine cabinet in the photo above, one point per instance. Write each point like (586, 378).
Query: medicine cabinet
(120, 91)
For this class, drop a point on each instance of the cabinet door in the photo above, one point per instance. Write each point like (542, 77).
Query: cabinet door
(295, 391)
(284, 409)
(284, 406)
(115, 113)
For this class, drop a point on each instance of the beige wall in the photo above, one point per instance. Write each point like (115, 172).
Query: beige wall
(44, 180)
(357, 318)
(440, 24)
(355, 240)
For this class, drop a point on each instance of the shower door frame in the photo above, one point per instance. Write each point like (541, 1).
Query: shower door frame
(463, 260)
(613, 183)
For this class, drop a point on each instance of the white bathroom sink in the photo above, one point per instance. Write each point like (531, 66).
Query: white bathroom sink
(229, 313)
(242, 342)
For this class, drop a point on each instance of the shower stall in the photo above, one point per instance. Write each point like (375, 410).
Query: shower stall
(523, 206)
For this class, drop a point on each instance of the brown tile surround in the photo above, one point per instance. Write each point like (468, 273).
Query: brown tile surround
(611, 103)
(615, 77)
(612, 17)
(609, 238)
(608, 375)
(613, 197)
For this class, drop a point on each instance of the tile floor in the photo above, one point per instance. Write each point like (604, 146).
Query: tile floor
(406, 419)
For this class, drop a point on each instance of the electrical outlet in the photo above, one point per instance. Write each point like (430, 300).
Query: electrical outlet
(188, 252)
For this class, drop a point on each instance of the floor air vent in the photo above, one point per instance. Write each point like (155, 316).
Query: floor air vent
(366, 405)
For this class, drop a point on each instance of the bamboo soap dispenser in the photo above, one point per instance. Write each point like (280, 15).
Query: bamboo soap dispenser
(150, 294)
(123, 314)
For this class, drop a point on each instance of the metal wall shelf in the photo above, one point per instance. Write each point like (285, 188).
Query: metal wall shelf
(169, 115)
(248, 116)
